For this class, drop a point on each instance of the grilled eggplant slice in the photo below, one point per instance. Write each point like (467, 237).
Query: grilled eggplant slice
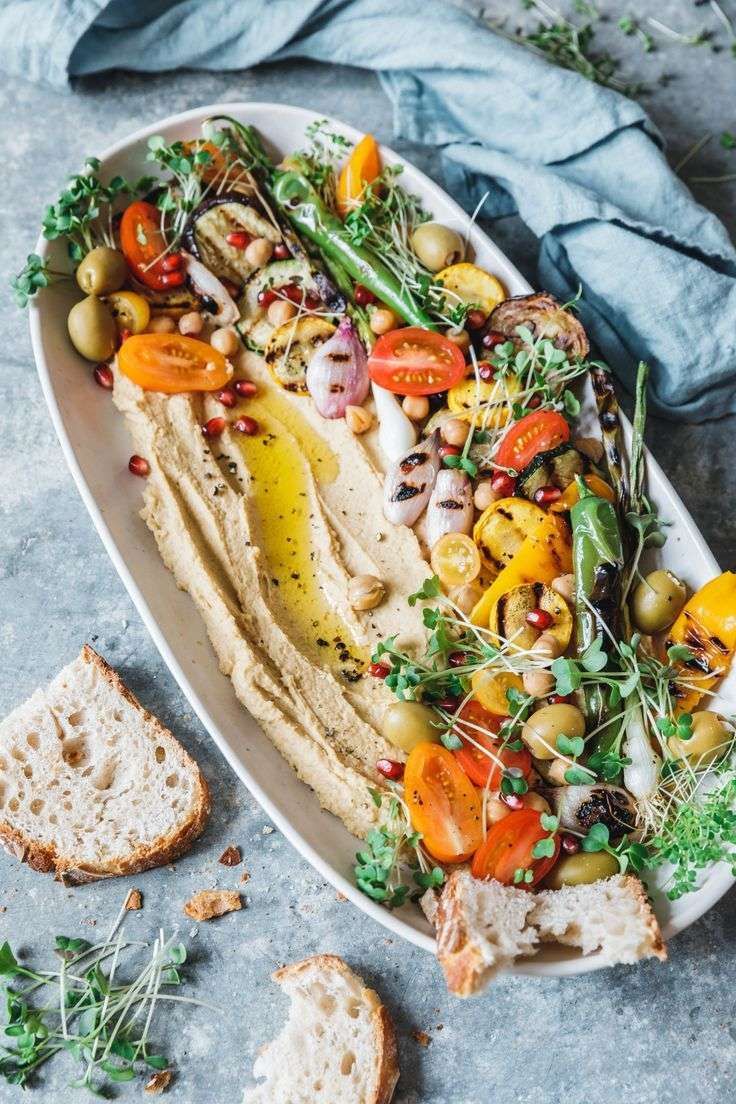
(501, 530)
(544, 316)
(508, 616)
(290, 349)
(205, 235)
(253, 321)
(554, 468)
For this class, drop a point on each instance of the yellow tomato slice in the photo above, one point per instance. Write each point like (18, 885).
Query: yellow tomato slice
(472, 285)
(130, 311)
(455, 559)
(490, 400)
(173, 364)
(490, 689)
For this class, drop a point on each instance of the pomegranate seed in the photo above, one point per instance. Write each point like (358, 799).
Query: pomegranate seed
(227, 397)
(486, 371)
(379, 670)
(363, 295)
(245, 388)
(311, 303)
(475, 319)
(559, 699)
(267, 297)
(389, 768)
(292, 292)
(138, 466)
(230, 287)
(539, 619)
(534, 402)
(124, 335)
(103, 376)
(513, 801)
(238, 239)
(457, 659)
(246, 425)
(545, 496)
(448, 450)
(281, 251)
(570, 844)
(493, 338)
(214, 427)
(503, 484)
(172, 263)
(173, 279)
(449, 704)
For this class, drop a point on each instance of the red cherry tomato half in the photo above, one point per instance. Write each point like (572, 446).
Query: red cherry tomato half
(413, 361)
(481, 768)
(143, 246)
(532, 434)
(508, 847)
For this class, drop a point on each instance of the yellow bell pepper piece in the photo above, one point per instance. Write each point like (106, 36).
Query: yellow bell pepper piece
(544, 554)
(361, 169)
(571, 494)
(707, 626)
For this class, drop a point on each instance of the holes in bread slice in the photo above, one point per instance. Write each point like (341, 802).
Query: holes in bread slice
(76, 752)
(160, 753)
(33, 740)
(36, 806)
(346, 1063)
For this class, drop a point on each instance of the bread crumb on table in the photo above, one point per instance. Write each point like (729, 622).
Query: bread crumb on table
(210, 903)
(134, 900)
(158, 1082)
(230, 856)
(421, 1037)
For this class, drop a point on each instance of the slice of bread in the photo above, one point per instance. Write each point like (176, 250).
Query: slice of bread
(92, 785)
(612, 916)
(482, 927)
(338, 1045)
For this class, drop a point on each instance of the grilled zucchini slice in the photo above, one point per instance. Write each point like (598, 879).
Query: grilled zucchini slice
(501, 530)
(209, 226)
(554, 468)
(508, 616)
(290, 349)
(253, 321)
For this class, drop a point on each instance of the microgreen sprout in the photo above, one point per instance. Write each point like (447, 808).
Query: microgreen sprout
(392, 850)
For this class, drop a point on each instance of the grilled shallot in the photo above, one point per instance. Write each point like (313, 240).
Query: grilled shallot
(206, 285)
(580, 807)
(450, 507)
(409, 481)
(337, 375)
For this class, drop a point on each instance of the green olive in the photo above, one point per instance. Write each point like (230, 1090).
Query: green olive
(581, 869)
(92, 329)
(102, 271)
(406, 724)
(541, 730)
(710, 740)
(657, 601)
(437, 246)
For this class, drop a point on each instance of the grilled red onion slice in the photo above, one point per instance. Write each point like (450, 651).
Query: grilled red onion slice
(409, 481)
(206, 284)
(337, 376)
(450, 507)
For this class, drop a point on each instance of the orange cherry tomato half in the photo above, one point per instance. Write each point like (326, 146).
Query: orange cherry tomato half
(143, 243)
(172, 363)
(443, 803)
(413, 361)
(362, 167)
(486, 769)
(508, 848)
(532, 434)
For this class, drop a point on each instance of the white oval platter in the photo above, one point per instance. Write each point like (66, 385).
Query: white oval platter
(96, 446)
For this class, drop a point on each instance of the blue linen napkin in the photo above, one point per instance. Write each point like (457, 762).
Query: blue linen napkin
(582, 165)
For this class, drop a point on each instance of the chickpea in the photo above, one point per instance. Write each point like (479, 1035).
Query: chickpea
(484, 495)
(415, 407)
(564, 585)
(539, 682)
(710, 740)
(535, 801)
(547, 645)
(592, 447)
(225, 341)
(191, 324)
(541, 730)
(657, 601)
(459, 337)
(455, 432)
(258, 252)
(280, 311)
(466, 596)
(358, 419)
(556, 772)
(408, 723)
(383, 320)
(161, 323)
(365, 592)
(582, 868)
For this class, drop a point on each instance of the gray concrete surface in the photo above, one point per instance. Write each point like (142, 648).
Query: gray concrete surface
(658, 1033)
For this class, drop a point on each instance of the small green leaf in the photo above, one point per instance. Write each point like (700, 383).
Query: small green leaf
(679, 653)
(451, 741)
(570, 745)
(596, 839)
(544, 848)
(8, 961)
(549, 823)
(567, 676)
(594, 658)
(578, 776)
(178, 954)
(157, 1061)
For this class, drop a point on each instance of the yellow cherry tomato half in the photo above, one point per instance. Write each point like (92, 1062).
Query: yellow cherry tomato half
(173, 364)
(130, 311)
(489, 687)
(455, 560)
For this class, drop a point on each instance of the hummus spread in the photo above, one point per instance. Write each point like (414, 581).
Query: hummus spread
(265, 533)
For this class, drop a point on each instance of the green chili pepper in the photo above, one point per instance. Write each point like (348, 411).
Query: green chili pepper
(597, 557)
(301, 203)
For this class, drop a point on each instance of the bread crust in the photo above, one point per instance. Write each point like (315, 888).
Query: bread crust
(45, 859)
(387, 1071)
(657, 945)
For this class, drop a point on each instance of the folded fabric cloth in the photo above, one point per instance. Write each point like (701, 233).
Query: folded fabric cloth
(582, 165)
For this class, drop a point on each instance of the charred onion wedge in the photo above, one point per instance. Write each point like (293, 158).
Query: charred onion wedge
(544, 316)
